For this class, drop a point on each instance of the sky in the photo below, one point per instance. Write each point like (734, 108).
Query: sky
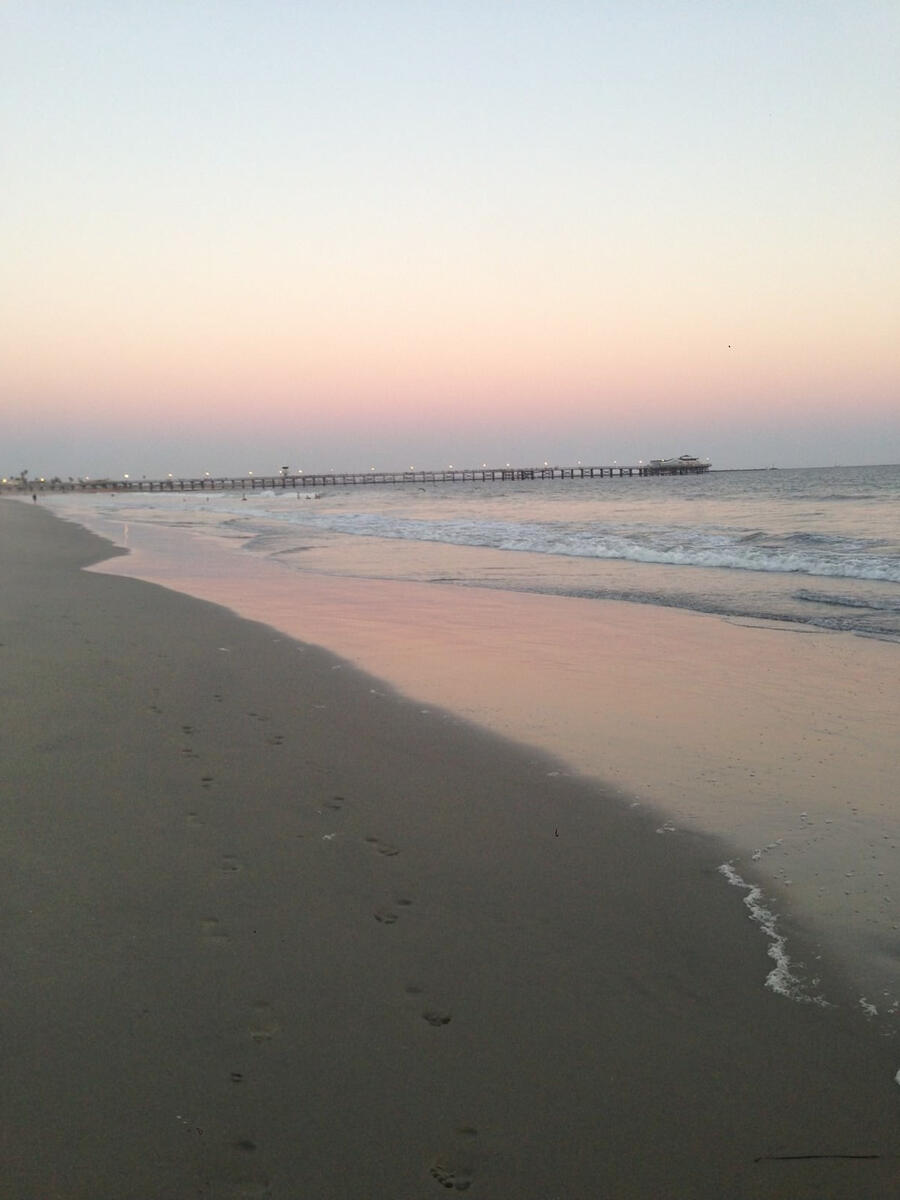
(335, 235)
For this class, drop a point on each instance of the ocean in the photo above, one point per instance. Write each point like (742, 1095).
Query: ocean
(819, 548)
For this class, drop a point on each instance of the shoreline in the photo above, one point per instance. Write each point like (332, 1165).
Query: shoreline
(264, 938)
(782, 745)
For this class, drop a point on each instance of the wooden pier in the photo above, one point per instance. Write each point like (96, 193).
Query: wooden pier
(302, 480)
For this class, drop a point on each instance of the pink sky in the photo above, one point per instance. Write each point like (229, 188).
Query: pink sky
(484, 232)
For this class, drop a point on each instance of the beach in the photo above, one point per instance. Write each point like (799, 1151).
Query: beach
(776, 736)
(275, 929)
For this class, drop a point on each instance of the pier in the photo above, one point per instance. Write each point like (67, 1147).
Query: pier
(297, 480)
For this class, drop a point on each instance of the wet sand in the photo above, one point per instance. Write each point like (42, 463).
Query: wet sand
(270, 929)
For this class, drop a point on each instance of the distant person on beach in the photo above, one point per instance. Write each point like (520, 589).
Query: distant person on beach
(34, 497)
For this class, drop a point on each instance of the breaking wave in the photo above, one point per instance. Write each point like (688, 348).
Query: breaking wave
(799, 553)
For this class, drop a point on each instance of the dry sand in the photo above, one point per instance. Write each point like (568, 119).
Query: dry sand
(271, 932)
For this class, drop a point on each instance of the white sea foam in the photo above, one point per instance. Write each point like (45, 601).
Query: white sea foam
(781, 978)
(837, 558)
(834, 554)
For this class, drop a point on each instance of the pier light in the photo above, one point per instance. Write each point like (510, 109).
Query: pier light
(249, 472)
(124, 477)
(170, 474)
(206, 473)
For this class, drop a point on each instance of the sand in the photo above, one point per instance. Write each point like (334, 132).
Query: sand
(272, 930)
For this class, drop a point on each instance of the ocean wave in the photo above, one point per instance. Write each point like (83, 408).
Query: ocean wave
(800, 554)
(735, 607)
(847, 601)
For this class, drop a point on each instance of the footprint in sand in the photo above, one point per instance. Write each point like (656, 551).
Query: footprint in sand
(193, 821)
(230, 864)
(263, 1024)
(206, 781)
(382, 847)
(187, 729)
(212, 933)
(455, 1170)
(336, 803)
(436, 1017)
(387, 916)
